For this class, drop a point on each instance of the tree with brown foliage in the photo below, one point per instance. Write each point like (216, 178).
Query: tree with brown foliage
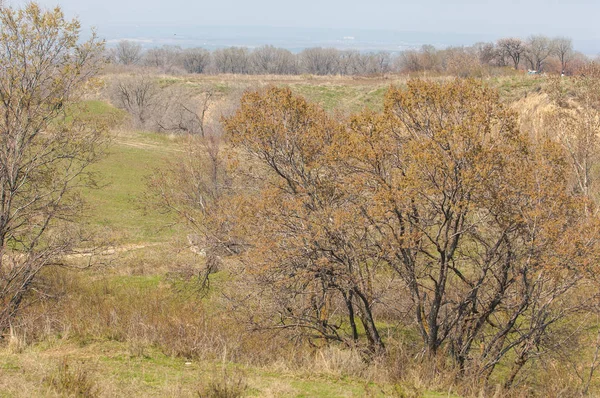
(473, 216)
(576, 123)
(438, 207)
(309, 256)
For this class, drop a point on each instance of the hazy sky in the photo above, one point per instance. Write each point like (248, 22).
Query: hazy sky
(573, 18)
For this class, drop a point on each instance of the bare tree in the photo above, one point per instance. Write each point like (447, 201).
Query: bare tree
(174, 109)
(538, 49)
(232, 60)
(181, 112)
(128, 52)
(409, 61)
(320, 61)
(461, 61)
(272, 60)
(263, 60)
(489, 54)
(195, 60)
(563, 49)
(430, 58)
(165, 58)
(347, 63)
(379, 62)
(512, 48)
(45, 147)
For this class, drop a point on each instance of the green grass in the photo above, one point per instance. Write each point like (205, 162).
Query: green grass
(333, 93)
(100, 111)
(117, 207)
(513, 88)
(119, 204)
(168, 81)
(137, 282)
(340, 97)
(97, 107)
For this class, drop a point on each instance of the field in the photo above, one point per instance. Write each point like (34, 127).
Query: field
(131, 327)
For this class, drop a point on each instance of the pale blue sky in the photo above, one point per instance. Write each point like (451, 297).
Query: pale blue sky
(490, 18)
(576, 18)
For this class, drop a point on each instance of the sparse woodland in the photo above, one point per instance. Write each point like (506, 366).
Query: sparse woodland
(428, 226)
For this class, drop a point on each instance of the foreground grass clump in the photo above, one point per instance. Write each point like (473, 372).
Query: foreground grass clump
(72, 380)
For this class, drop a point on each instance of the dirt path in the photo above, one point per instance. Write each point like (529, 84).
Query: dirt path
(113, 250)
(141, 145)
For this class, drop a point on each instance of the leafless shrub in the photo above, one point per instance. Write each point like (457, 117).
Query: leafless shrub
(182, 112)
(174, 109)
(139, 95)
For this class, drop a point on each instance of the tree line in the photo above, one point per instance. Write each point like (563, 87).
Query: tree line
(536, 53)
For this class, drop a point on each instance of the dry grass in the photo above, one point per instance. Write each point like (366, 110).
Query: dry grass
(224, 384)
(111, 371)
(72, 380)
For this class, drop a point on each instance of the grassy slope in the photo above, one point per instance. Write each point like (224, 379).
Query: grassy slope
(119, 202)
